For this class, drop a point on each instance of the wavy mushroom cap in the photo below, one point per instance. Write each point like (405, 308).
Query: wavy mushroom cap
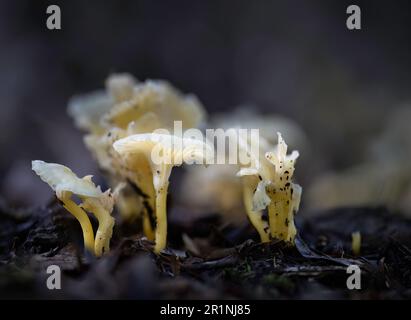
(60, 178)
(88, 109)
(181, 149)
(160, 98)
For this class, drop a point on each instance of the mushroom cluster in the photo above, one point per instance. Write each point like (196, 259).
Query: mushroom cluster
(125, 109)
(265, 183)
(128, 129)
(67, 185)
(140, 149)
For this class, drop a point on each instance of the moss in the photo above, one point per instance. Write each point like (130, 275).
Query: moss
(278, 281)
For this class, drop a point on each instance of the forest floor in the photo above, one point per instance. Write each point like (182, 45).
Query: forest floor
(211, 260)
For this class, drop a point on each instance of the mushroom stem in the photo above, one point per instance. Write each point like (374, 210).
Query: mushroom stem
(83, 219)
(147, 187)
(104, 231)
(281, 220)
(161, 218)
(147, 227)
(255, 217)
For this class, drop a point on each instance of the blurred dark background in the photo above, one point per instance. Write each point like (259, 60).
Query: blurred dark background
(293, 58)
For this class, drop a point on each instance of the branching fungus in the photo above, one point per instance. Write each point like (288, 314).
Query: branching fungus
(268, 184)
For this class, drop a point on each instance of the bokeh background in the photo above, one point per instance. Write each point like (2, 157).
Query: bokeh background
(349, 91)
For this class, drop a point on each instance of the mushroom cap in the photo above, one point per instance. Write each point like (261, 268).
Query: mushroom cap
(181, 149)
(60, 178)
(160, 98)
(129, 107)
(120, 86)
(267, 124)
(87, 110)
(163, 151)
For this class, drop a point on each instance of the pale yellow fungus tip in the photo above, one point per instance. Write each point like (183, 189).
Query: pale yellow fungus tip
(268, 184)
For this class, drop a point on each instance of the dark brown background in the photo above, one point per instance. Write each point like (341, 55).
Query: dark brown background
(294, 58)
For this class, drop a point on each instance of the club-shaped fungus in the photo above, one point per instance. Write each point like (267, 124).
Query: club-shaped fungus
(152, 157)
(129, 107)
(268, 184)
(66, 185)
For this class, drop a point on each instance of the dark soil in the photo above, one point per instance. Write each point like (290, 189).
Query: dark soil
(211, 260)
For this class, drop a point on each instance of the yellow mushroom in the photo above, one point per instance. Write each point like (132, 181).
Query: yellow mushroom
(101, 207)
(66, 184)
(269, 185)
(129, 107)
(155, 155)
(120, 86)
(222, 189)
(87, 110)
(161, 99)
